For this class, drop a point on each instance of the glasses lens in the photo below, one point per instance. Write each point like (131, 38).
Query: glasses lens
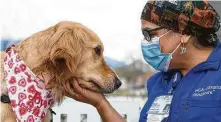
(146, 35)
(147, 32)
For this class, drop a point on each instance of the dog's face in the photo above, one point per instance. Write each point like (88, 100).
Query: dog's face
(74, 51)
(93, 72)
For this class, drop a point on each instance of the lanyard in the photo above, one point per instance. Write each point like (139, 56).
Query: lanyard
(174, 84)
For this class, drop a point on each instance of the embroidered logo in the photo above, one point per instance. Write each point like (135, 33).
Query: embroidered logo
(206, 91)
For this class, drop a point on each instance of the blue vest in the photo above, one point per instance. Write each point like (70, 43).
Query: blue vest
(196, 96)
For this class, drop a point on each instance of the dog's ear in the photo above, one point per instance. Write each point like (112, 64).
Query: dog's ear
(61, 59)
(64, 58)
(67, 49)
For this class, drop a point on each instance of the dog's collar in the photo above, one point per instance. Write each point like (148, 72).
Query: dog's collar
(52, 112)
(29, 98)
(4, 92)
(5, 98)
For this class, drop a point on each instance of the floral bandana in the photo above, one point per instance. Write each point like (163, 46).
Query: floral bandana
(29, 98)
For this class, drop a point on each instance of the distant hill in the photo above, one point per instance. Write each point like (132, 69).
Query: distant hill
(114, 63)
(5, 43)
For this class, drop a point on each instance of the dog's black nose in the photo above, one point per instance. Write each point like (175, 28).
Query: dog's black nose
(117, 83)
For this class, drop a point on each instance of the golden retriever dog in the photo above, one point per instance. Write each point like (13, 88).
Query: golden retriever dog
(56, 55)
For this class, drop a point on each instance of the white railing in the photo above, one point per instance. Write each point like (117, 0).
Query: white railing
(73, 111)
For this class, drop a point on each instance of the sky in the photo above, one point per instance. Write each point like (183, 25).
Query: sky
(116, 22)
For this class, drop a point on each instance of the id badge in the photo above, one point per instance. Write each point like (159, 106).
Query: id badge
(160, 108)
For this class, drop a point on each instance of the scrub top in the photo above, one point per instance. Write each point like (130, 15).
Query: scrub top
(196, 97)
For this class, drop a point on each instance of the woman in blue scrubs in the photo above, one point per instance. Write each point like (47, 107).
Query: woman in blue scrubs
(180, 42)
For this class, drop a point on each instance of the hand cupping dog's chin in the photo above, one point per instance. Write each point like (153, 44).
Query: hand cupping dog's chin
(70, 90)
(89, 84)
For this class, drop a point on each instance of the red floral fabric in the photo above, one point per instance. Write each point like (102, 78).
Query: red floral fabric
(29, 98)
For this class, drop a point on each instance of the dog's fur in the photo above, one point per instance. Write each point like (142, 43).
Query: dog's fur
(62, 52)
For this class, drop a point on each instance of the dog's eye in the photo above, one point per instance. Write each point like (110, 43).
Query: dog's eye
(97, 50)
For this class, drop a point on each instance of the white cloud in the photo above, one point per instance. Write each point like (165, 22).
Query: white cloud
(117, 22)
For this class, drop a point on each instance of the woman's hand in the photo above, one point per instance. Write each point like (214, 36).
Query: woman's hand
(84, 95)
(104, 108)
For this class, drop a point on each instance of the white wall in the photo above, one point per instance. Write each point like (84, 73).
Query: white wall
(74, 109)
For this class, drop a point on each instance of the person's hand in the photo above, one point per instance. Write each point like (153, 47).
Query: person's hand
(104, 108)
(84, 95)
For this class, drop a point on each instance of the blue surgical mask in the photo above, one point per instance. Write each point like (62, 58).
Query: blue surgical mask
(153, 55)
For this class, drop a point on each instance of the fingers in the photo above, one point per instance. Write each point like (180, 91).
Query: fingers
(78, 89)
(74, 90)
(68, 87)
(69, 90)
